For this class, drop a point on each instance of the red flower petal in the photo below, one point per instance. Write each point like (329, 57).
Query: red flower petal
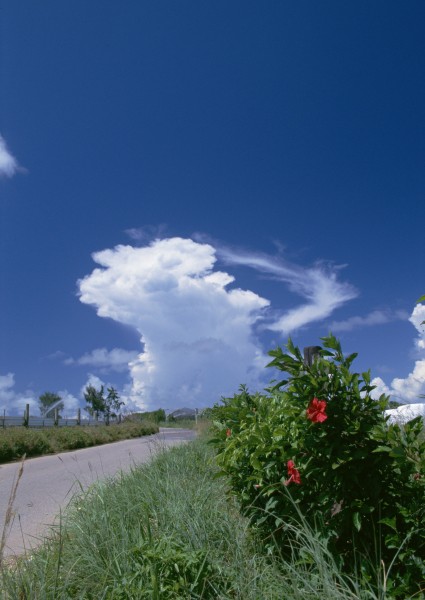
(316, 411)
(293, 473)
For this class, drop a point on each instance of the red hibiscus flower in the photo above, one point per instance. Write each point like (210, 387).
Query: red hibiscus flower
(293, 473)
(228, 432)
(316, 411)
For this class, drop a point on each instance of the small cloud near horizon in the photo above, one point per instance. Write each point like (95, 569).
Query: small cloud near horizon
(408, 389)
(13, 403)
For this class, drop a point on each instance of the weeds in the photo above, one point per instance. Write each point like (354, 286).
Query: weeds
(170, 530)
(9, 510)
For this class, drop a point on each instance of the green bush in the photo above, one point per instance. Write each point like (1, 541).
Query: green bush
(70, 438)
(317, 446)
(153, 416)
(17, 441)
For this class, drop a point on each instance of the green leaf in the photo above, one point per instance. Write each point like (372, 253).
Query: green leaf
(357, 522)
(271, 503)
(390, 522)
(382, 449)
(397, 452)
(256, 463)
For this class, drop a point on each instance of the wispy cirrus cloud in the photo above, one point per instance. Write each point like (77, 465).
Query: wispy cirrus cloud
(376, 317)
(8, 163)
(319, 285)
(116, 359)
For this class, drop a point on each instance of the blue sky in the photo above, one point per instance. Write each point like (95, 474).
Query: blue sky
(186, 184)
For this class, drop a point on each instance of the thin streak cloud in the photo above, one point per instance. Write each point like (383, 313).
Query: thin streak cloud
(376, 317)
(318, 284)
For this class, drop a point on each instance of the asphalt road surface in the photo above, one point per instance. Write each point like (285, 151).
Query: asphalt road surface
(49, 482)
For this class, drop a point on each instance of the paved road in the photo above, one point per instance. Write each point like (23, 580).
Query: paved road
(49, 482)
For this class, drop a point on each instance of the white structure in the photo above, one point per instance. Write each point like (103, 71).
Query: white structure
(406, 412)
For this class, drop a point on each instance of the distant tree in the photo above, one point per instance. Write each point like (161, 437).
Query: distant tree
(112, 404)
(97, 402)
(94, 399)
(47, 403)
(155, 416)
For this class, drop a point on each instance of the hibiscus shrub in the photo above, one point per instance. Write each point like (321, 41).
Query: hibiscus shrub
(318, 445)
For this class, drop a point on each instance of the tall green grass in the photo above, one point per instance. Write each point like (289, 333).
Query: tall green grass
(169, 530)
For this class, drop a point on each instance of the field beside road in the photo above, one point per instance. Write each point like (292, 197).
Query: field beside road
(15, 442)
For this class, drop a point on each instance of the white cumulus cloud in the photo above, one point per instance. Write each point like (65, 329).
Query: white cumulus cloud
(7, 383)
(12, 402)
(417, 317)
(197, 335)
(198, 331)
(8, 163)
(408, 389)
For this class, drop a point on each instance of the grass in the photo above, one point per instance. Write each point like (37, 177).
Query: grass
(169, 530)
(16, 442)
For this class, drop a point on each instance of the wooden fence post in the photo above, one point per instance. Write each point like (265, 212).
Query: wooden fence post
(310, 353)
(56, 417)
(79, 416)
(27, 415)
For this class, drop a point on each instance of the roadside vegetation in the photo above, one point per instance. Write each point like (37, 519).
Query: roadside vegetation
(317, 447)
(16, 442)
(304, 492)
(172, 530)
